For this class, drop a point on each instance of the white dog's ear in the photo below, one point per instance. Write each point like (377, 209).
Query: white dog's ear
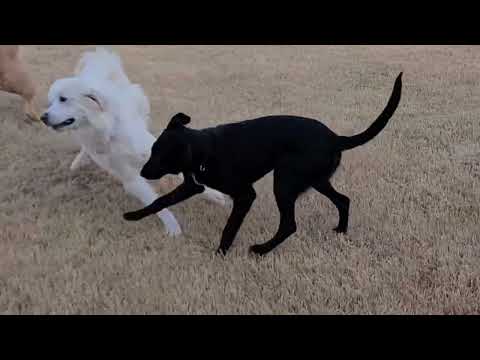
(103, 120)
(96, 99)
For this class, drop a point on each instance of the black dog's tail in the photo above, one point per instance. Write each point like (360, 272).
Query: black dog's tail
(347, 143)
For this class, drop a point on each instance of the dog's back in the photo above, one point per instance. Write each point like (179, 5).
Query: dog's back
(101, 65)
(102, 69)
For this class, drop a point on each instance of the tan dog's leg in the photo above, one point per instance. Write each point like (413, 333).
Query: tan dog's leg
(30, 110)
(15, 79)
(26, 88)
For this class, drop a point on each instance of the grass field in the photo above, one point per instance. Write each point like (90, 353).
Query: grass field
(414, 241)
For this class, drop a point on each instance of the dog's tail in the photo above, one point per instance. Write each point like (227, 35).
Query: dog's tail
(347, 143)
(100, 65)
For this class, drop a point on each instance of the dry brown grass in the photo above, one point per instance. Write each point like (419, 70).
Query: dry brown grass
(413, 245)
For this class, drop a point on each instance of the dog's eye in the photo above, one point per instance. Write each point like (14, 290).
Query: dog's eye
(63, 99)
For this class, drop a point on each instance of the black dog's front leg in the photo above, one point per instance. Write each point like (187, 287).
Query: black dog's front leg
(241, 206)
(186, 190)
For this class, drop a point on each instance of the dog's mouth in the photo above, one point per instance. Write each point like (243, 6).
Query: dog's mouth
(63, 124)
(152, 176)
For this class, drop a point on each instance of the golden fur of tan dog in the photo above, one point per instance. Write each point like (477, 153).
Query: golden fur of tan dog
(15, 79)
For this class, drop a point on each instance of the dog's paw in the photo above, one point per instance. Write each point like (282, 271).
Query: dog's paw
(260, 249)
(80, 160)
(75, 165)
(30, 115)
(173, 230)
(30, 118)
(339, 230)
(133, 216)
(221, 251)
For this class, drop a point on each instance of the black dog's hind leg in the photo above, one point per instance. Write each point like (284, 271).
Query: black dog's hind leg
(287, 188)
(341, 202)
(241, 206)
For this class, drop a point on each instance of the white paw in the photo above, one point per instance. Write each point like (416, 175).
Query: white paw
(79, 161)
(75, 165)
(215, 196)
(172, 228)
(173, 231)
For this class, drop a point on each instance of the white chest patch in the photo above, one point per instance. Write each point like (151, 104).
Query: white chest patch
(196, 181)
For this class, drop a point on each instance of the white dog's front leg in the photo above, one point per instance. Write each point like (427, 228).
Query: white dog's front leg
(212, 195)
(81, 159)
(139, 188)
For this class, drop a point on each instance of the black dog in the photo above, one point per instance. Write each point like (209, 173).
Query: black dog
(303, 153)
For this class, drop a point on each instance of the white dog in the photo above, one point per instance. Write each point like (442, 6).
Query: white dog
(109, 118)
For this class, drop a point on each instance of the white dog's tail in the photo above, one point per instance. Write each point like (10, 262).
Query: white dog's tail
(100, 65)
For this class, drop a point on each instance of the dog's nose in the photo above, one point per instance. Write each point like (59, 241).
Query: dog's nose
(44, 118)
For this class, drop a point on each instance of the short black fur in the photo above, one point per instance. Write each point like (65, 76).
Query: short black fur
(303, 153)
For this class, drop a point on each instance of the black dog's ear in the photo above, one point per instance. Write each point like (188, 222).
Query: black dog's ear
(178, 120)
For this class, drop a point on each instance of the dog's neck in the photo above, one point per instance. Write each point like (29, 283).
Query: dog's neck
(202, 144)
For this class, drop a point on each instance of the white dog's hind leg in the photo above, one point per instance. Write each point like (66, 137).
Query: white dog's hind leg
(81, 159)
(212, 195)
(139, 188)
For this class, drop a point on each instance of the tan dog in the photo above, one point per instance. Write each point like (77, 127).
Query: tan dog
(15, 79)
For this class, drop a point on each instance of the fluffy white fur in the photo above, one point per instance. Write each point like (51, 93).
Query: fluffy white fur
(109, 117)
